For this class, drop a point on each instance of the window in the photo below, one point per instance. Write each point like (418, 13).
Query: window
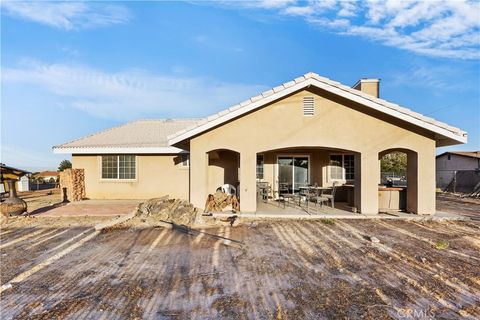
(336, 170)
(185, 159)
(259, 166)
(118, 167)
(449, 157)
(342, 167)
(308, 106)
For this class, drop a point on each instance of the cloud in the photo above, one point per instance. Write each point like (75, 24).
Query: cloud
(68, 15)
(28, 158)
(447, 29)
(128, 94)
(436, 78)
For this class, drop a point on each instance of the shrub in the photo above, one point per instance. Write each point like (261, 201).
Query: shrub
(328, 221)
(441, 244)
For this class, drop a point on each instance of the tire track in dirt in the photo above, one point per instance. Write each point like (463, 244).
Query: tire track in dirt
(410, 279)
(408, 233)
(18, 304)
(28, 237)
(399, 256)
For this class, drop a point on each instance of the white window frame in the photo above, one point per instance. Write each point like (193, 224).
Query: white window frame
(263, 167)
(292, 155)
(100, 165)
(344, 173)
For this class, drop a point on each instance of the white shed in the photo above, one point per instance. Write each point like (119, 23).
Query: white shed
(23, 184)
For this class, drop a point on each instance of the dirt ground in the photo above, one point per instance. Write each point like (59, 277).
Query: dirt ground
(326, 269)
(41, 199)
(468, 207)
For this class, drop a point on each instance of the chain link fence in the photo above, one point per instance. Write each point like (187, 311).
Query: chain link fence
(394, 179)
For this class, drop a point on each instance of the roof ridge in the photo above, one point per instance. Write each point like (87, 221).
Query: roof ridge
(386, 103)
(312, 76)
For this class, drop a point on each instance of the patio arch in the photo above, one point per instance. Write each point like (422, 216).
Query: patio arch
(412, 190)
(275, 163)
(222, 168)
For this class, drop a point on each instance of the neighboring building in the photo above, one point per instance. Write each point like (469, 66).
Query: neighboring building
(311, 130)
(23, 184)
(457, 170)
(11, 173)
(47, 176)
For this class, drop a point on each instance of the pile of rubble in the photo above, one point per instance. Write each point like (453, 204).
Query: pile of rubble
(74, 181)
(219, 200)
(164, 209)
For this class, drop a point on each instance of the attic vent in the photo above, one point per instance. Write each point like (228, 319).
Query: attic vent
(308, 106)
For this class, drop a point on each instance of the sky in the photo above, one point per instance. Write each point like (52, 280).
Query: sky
(69, 69)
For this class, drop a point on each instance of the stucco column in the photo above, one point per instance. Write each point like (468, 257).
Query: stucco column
(198, 176)
(367, 177)
(421, 181)
(248, 184)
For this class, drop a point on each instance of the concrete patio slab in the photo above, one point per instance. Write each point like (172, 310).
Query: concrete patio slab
(273, 211)
(91, 208)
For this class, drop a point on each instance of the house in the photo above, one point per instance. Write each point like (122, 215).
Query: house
(310, 130)
(458, 171)
(47, 176)
(11, 173)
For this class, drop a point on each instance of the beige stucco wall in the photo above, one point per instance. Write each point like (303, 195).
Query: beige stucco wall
(157, 175)
(222, 169)
(337, 124)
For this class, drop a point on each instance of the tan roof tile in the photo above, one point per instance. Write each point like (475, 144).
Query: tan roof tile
(140, 133)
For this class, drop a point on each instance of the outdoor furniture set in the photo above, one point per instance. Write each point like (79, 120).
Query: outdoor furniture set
(318, 195)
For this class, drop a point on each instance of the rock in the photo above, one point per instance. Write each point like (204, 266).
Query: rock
(6, 286)
(170, 210)
(374, 239)
(220, 197)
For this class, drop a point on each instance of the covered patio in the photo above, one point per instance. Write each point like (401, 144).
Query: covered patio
(316, 133)
(318, 180)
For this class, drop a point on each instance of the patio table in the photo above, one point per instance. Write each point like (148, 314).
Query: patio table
(317, 190)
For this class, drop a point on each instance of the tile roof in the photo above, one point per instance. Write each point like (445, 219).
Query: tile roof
(47, 174)
(471, 154)
(307, 79)
(158, 136)
(135, 134)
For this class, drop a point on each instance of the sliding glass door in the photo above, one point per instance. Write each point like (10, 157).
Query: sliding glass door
(293, 173)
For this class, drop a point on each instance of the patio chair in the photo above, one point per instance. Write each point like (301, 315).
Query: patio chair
(331, 196)
(262, 190)
(305, 193)
(265, 191)
(317, 197)
(284, 195)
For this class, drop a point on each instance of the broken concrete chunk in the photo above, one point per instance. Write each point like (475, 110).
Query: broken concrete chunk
(374, 239)
(164, 209)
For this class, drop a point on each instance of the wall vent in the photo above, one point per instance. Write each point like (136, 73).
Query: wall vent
(308, 106)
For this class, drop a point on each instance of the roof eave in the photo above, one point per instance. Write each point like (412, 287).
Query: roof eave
(220, 119)
(117, 150)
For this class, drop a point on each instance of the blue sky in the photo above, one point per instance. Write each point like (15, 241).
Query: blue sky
(70, 69)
